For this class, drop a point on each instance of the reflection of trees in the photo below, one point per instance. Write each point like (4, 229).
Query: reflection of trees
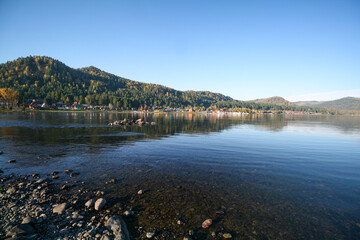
(90, 128)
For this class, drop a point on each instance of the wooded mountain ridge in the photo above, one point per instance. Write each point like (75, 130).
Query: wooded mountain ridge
(37, 77)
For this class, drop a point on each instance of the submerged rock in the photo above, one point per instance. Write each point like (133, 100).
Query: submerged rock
(35, 175)
(11, 190)
(12, 161)
(128, 213)
(90, 203)
(41, 180)
(207, 223)
(27, 220)
(150, 234)
(100, 203)
(227, 235)
(22, 229)
(117, 225)
(60, 208)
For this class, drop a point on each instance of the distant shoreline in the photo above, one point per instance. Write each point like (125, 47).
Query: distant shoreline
(342, 113)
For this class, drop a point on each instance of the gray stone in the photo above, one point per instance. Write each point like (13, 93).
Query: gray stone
(41, 180)
(100, 203)
(60, 208)
(118, 227)
(90, 203)
(22, 229)
(11, 190)
(27, 220)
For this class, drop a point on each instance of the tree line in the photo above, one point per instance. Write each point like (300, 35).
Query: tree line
(48, 79)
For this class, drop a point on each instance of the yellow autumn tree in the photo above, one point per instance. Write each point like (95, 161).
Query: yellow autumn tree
(9, 96)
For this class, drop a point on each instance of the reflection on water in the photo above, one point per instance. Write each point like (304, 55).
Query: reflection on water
(277, 176)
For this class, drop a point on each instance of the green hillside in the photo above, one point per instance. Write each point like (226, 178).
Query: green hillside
(274, 100)
(50, 80)
(347, 103)
(47, 78)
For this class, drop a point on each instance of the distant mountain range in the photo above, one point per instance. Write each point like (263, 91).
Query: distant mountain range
(347, 103)
(45, 78)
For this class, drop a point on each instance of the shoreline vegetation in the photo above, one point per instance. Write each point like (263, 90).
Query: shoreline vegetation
(345, 112)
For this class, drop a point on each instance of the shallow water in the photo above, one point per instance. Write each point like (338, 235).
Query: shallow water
(275, 177)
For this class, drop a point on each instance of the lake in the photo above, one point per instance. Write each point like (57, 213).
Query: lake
(269, 176)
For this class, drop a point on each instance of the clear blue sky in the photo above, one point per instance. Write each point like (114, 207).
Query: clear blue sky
(245, 49)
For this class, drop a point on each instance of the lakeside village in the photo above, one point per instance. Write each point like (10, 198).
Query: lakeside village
(38, 104)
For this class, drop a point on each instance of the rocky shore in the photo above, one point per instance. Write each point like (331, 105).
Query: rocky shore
(38, 208)
(44, 207)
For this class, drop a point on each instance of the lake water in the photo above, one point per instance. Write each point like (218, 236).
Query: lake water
(274, 177)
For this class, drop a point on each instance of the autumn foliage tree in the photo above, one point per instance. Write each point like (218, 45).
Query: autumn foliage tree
(9, 96)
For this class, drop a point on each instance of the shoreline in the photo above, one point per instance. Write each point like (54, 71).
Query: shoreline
(50, 208)
(350, 113)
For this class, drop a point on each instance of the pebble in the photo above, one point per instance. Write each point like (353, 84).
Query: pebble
(27, 220)
(99, 193)
(90, 203)
(128, 213)
(60, 208)
(207, 223)
(100, 203)
(140, 191)
(150, 234)
(187, 238)
(227, 235)
(41, 180)
(11, 190)
(35, 175)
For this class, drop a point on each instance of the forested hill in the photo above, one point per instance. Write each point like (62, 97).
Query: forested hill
(347, 103)
(50, 79)
(274, 100)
